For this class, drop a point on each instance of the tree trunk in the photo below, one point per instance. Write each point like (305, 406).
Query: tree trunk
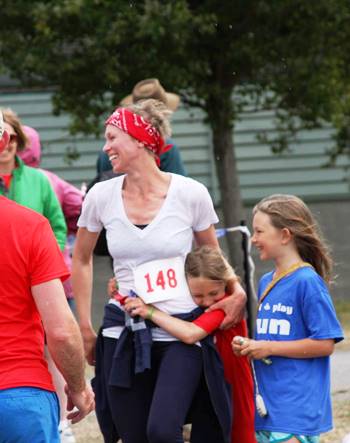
(231, 202)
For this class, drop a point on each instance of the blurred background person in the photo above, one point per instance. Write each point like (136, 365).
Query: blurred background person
(4, 136)
(28, 186)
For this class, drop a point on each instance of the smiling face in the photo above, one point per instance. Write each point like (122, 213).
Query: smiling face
(120, 148)
(206, 292)
(266, 238)
(7, 156)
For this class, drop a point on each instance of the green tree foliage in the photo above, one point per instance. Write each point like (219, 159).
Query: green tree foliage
(220, 55)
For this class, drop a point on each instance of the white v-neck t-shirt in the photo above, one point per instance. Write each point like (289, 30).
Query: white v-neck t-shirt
(187, 208)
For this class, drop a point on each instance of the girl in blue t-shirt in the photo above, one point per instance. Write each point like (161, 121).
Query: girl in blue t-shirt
(296, 325)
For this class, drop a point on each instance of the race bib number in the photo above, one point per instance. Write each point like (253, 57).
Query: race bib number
(161, 280)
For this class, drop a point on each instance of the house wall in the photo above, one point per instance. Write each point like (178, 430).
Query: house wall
(301, 170)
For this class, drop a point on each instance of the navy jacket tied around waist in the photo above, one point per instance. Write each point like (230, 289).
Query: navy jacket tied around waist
(132, 355)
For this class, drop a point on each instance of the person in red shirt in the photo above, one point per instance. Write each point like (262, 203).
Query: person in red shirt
(211, 278)
(70, 199)
(33, 301)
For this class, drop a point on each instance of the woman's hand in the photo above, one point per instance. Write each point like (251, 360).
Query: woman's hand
(135, 306)
(89, 339)
(233, 306)
(256, 349)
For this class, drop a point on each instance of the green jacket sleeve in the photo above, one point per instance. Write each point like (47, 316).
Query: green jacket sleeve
(53, 212)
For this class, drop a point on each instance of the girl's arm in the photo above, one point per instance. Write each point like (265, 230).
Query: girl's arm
(185, 331)
(304, 348)
(82, 287)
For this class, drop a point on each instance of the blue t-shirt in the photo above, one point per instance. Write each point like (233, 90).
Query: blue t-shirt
(296, 391)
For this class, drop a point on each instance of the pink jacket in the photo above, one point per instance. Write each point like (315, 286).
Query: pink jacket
(70, 199)
(68, 195)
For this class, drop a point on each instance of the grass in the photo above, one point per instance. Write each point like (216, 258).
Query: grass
(87, 431)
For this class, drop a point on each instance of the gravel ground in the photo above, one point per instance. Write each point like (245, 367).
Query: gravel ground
(340, 393)
(341, 414)
(87, 431)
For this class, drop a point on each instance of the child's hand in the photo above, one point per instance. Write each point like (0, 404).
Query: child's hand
(238, 344)
(256, 349)
(135, 306)
(112, 286)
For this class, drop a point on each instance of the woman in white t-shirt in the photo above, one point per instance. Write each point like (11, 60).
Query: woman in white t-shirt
(151, 219)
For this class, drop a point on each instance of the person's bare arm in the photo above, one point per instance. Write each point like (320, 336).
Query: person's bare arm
(304, 348)
(185, 331)
(206, 237)
(82, 287)
(65, 344)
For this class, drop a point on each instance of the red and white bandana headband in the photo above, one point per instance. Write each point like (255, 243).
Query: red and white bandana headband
(136, 126)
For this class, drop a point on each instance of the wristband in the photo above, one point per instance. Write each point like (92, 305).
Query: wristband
(150, 313)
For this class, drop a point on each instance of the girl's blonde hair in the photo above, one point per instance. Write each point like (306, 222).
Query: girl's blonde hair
(154, 112)
(209, 262)
(12, 119)
(289, 211)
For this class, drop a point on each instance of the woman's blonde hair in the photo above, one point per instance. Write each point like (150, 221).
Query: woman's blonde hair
(289, 211)
(209, 262)
(155, 112)
(12, 119)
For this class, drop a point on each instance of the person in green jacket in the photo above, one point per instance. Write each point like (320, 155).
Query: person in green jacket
(25, 185)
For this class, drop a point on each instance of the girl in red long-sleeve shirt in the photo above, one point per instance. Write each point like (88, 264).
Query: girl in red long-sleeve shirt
(210, 278)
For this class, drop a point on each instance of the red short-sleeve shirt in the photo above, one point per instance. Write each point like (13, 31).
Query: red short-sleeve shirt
(29, 255)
